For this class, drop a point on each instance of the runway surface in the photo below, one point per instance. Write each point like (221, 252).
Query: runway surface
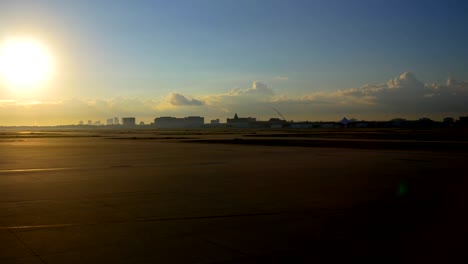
(128, 200)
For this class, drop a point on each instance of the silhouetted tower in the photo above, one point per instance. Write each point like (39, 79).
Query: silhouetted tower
(279, 113)
(235, 116)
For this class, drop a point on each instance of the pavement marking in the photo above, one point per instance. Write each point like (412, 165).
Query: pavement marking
(87, 197)
(117, 166)
(152, 219)
(38, 170)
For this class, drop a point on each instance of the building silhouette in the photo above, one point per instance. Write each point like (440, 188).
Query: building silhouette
(241, 122)
(128, 121)
(174, 122)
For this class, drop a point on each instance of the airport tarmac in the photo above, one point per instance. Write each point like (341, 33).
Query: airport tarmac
(109, 199)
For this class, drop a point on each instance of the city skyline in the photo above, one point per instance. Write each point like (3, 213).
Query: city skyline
(312, 60)
(278, 122)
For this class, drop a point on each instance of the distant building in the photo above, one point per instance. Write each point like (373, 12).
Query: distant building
(360, 124)
(97, 123)
(303, 125)
(277, 123)
(116, 120)
(331, 125)
(344, 121)
(81, 123)
(90, 122)
(449, 121)
(399, 122)
(166, 122)
(142, 123)
(241, 122)
(110, 121)
(463, 121)
(194, 121)
(128, 121)
(174, 122)
(214, 122)
(320, 124)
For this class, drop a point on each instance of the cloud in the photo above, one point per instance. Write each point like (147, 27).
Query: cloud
(250, 101)
(451, 87)
(24, 103)
(70, 111)
(407, 94)
(257, 89)
(180, 100)
(281, 78)
(4, 103)
(403, 96)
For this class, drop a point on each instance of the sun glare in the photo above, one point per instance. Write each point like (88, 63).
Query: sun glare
(25, 63)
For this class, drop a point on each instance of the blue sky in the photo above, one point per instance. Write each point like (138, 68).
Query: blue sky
(150, 49)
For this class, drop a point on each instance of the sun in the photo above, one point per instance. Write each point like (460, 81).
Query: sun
(25, 63)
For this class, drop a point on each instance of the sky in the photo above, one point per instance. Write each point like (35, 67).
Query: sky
(312, 60)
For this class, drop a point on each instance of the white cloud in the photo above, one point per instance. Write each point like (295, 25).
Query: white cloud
(180, 100)
(403, 96)
(250, 101)
(407, 94)
(257, 89)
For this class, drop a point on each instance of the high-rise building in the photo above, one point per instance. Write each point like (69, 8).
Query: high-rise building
(116, 120)
(128, 121)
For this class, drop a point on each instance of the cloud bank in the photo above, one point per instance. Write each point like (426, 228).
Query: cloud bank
(403, 96)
